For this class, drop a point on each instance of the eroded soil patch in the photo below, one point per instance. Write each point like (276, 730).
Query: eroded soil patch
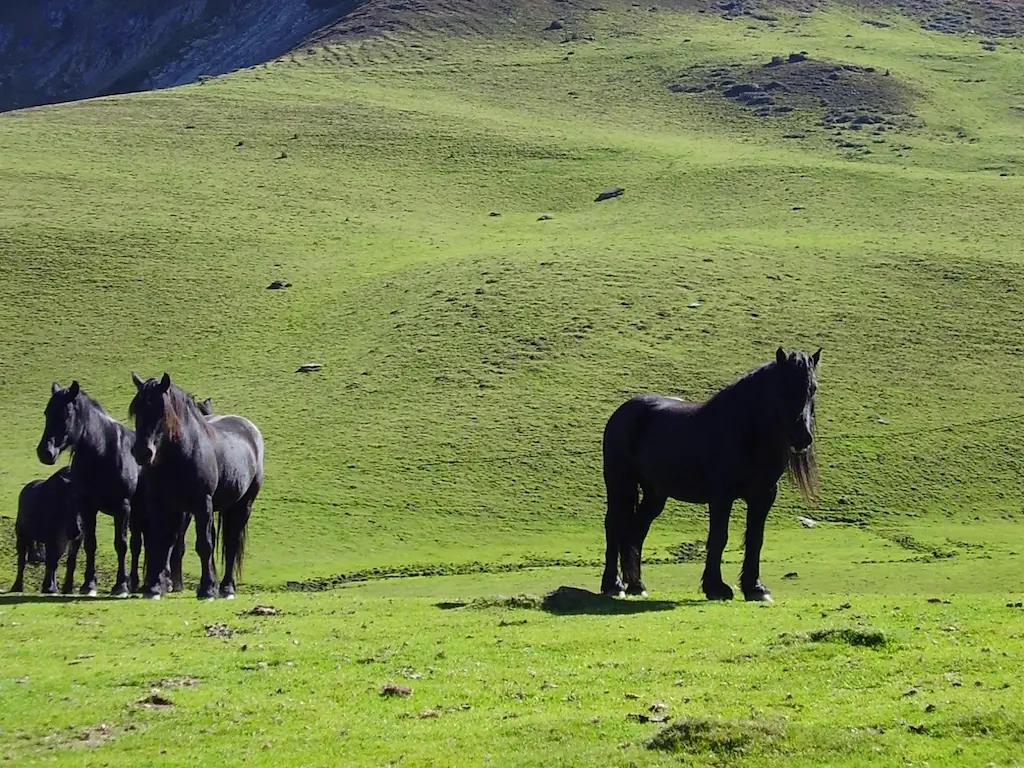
(838, 97)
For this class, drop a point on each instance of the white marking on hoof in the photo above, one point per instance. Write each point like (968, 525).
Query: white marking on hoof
(229, 597)
(644, 593)
(622, 594)
(152, 597)
(91, 593)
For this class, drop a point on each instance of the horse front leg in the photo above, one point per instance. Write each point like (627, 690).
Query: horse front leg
(178, 555)
(121, 518)
(712, 583)
(204, 548)
(136, 548)
(89, 531)
(750, 575)
(69, 566)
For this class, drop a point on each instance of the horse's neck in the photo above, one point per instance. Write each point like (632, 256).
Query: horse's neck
(190, 440)
(98, 431)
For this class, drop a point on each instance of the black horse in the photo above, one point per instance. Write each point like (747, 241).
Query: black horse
(734, 446)
(46, 512)
(175, 577)
(194, 465)
(102, 469)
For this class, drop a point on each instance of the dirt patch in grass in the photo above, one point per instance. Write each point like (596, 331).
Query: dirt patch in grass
(795, 82)
(701, 735)
(864, 637)
(86, 738)
(998, 18)
(844, 99)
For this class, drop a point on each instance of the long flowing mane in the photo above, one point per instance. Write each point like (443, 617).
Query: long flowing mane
(802, 471)
(801, 468)
(178, 406)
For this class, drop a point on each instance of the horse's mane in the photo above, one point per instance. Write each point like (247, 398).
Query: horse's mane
(801, 468)
(742, 384)
(83, 402)
(178, 405)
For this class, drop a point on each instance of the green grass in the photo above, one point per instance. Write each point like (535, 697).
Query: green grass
(470, 362)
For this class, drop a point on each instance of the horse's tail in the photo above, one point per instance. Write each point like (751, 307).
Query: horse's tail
(243, 534)
(233, 524)
(219, 532)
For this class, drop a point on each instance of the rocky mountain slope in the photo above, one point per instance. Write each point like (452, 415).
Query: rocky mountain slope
(63, 50)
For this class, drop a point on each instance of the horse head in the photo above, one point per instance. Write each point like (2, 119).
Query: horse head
(63, 425)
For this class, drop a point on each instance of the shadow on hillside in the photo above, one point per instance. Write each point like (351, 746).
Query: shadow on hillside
(27, 598)
(569, 601)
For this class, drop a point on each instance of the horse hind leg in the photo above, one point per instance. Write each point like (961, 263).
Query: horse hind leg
(651, 505)
(233, 531)
(24, 544)
(622, 492)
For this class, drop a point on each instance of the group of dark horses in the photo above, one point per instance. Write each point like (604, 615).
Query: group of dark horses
(181, 462)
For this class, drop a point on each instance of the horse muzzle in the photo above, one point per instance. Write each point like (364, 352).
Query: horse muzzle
(47, 453)
(143, 454)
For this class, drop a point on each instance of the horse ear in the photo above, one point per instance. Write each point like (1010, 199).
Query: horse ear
(54, 388)
(165, 382)
(139, 383)
(816, 357)
(74, 389)
(208, 406)
(780, 356)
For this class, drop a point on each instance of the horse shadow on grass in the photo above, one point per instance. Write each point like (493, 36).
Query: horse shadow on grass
(573, 601)
(23, 598)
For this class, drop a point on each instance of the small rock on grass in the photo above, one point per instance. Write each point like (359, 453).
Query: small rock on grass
(391, 689)
(608, 194)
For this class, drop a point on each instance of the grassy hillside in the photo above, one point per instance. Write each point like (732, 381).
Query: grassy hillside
(869, 206)
(141, 233)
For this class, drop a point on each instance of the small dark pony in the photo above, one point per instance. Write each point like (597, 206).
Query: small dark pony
(194, 465)
(46, 512)
(102, 469)
(737, 445)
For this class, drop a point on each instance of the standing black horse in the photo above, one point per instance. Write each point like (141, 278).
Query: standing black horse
(734, 446)
(46, 512)
(175, 577)
(102, 469)
(194, 465)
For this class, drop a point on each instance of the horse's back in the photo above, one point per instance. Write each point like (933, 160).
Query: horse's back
(660, 442)
(42, 501)
(632, 419)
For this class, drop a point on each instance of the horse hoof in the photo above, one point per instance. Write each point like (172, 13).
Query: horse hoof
(91, 593)
(719, 592)
(151, 597)
(229, 596)
(643, 593)
(622, 594)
